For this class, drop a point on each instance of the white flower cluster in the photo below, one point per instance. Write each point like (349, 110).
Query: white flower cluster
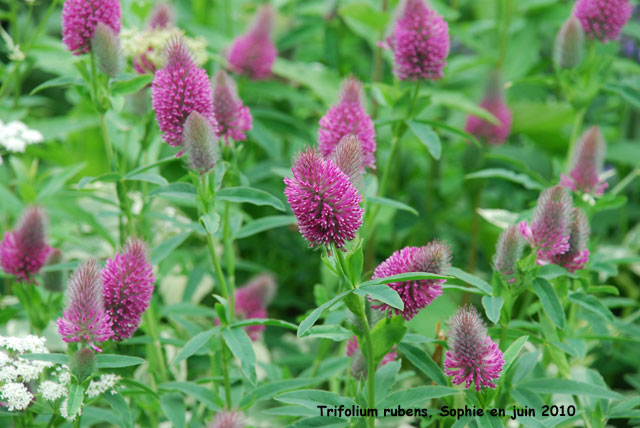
(151, 43)
(16, 136)
(14, 371)
(105, 383)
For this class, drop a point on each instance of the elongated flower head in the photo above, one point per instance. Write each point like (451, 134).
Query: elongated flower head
(435, 257)
(251, 301)
(472, 355)
(81, 17)
(494, 102)
(569, 47)
(508, 252)
(603, 19)
(179, 89)
(359, 362)
(24, 250)
(200, 143)
(233, 118)
(162, 16)
(106, 45)
(420, 42)
(323, 199)
(347, 117)
(128, 285)
(84, 318)
(254, 53)
(549, 230)
(588, 158)
(349, 157)
(54, 280)
(577, 256)
(228, 419)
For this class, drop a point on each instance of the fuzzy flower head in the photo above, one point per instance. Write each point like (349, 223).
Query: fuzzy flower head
(200, 143)
(128, 285)
(577, 256)
(228, 419)
(359, 363)
(106, 46)
(472, 355)
(349, 157)
(508, 252)
(179, 89)
(435, 257)
(254, 53)
(324, 201)
(24, 250)
(549, 229)
(251, 301)
(84, 318)
(162, 16)
(233, 118)
(420, 42)
(568, 49)
(347, 117)
(494, 102)
(588, 158)
(603, 19)
(80, 18)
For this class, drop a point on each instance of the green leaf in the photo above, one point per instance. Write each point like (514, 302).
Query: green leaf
(479, 283)
(492, 307)
(311, 319)
(383, 293)
(629, 93)
(249, 195)
(385, 378)
(410, 276)
(550, 302)
(512, 352)
(240, 346)
(211, 222)
(163, 250)
(385, 335)
(149, 178)
(265, 321)
(426, 135)
(76, 395)
(51, 358)
(365, 14)
(126, 87)
(173, 406)
(195, 344)
(200, 393)
(604, 289)
(271, 388)
(175, 190)
(320, 422)
(458, 101)
(58, 82)
(263, 224)
(417, 395)
(120, 406)
(423, 362)
(111, 361)
(107, 177)
(570, 387)
(142, 168)
(356, 263)
(333, 332)
(386, 202)
(593, 304)
(311, 398)
(506, 174)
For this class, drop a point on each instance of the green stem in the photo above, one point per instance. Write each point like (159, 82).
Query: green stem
(157, 345)
(229, 258)
(225, 372)
(503, 33)
(371, 367)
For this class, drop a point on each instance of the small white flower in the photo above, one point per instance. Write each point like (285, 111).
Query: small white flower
(4, 359)
(16, 395)
(15, 136)
(8, 373)
(105, 383)
(51, 390)
(21, 345)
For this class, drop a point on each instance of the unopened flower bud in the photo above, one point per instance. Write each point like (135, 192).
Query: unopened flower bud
(83, 363)
(569, 47)
(200, 143)
(106, 46)
(349, 157)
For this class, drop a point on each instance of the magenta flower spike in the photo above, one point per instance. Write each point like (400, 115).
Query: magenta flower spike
(162, 16)
(251, 301)
(549, 229)
(508, 252)
(494, 102)
(435, 257)
(347, 117)
(254, 53)
(323, 199)
(80, 18)
(24, 250)
(359, 364)
(84, 318)
(228, 419)
(603, 19)
(233, 118)
(577, 256)
(472, 356)
(179, 89)
(420, 42)
(588, 158)
(128, 286)
(349, 157)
